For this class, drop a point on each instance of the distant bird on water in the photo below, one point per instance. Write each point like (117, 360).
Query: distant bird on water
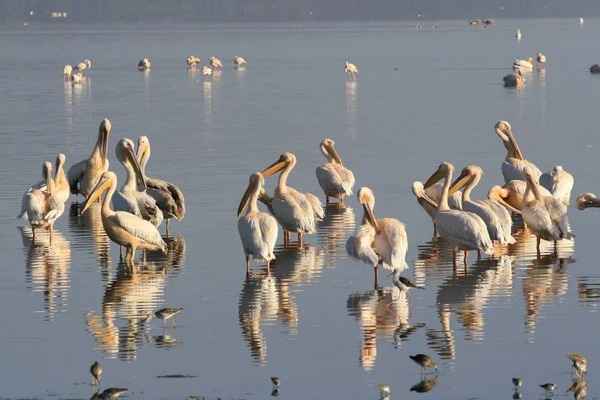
(207, 71)
(144, 64)
(548, 387)
(76, 77)
(276, 381)
(67, 71)
(96, 371)
(595, 69)
(579, 363)
(216, 63)
(425, 362)
(239, 61)
(514, 80)
(518, 35)
(110, 393)
(351, 70)
(580, 20)
(192, 61)
(540, 57)
(384, 389)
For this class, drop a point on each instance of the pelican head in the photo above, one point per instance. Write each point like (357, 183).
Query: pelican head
(107, 179)
(367, 199)
(255, 185)
(532, 183)
(103, 134)
(504, 132)
(419, 191)
(60, 160)
(143, 150)
(499, 194)
(467, 175)
(47, 170)
(87, 63)
(284, 160)
(330, 152)
(586, 200)
(126, 155)
(443, 170)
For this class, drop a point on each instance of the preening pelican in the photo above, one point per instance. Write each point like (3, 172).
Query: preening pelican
(518, 35)
(351, 70)
(144, 64)
(67, 71)
(463, 230)
(169, 198)
(335, 180)
(81, 66)
(258, 230)
(76, 77)
(129, 199)
(514, 163)
(494, 215)
(192, 61)
(514, 80)
(121, 227)
(295, 211)
(378, 241)
(239, 61)
(545, 216)
(84, 175)
(215, 63)
(540, 58)
(585, 200)
(434, 192)
(595, 69)
(207, 71)
(559, 183)
(524, 65)
(42, 207)
(511, 194)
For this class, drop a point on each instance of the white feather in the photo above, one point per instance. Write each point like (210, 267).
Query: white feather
(140, 228)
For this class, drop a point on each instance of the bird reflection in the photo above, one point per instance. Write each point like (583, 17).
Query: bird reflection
(424, 386)
(435, 260)
(378, 315)
(333, 231)
(579, 389)
(147, 85)
(47, 269)
(208, 102)
(588, 291)
(166, 341)
(525, 251)
(88, 234)
(351, 108)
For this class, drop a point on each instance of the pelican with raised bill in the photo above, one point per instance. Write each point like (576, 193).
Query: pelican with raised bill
(434, 194)
(545, 216)
(335, 180)
(514, 163)
(463, 230)
(84, 175)
(122, 227)
(559, 183)
(378, 241)
(295, 211)
(258, 230)
(169, 198)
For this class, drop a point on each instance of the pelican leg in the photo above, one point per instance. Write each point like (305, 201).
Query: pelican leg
(376, 270)
(300, 239)
(286, 238)
(342, 200)
(173, 321)
(555, 248)
(33, 232)
(466, 261)
(167, 226)
(120, 253)
(538, 246)
(248, 263)
(478, 255)
(326, 199)
(268, 267)
(51, 230)
(144, 255)
(454, 254)
(434, 230)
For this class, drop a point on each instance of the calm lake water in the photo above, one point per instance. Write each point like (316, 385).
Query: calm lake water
(422, 97)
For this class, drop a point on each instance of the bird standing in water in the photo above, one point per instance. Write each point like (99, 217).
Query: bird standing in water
(425, 362)
(96, 371)
(404, 284)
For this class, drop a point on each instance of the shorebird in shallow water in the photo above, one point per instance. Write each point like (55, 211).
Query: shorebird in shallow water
(425, 362)
(96, 371)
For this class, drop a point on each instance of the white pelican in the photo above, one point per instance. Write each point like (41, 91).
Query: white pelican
(67, 71)
(585, 200)
(351, 70)
(511, 194)
(129, 199)
(81, 66)
(545, 216)
(580, 20)
(518, 35)
(559, 183)
(215, 62)
(76, 77)
(84, 175)
(335, 180)
(524, 65)
(514, 80)
(42, 207)
(169, 198)
(258, 230)
(540, 58)
(121, 227)
(514, 163)
(239, 61)
(434, 192)
(207, 71)
(595, 69)
(192, 61)
(378, 241)
(295, 211)
(463, 230)
(494, 215)
(144, 64)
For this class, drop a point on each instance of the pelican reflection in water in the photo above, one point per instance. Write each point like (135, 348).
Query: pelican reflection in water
(334, 230)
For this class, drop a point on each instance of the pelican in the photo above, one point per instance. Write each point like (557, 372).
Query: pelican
(524, 65)
(580, 20)
(514, 163)
(514, 80)
(295, 211)
(335, 180)
(585, 200)
(121, 227)
(169, 198)
(378, 241)
(129, 199)
(559, 183)
(239, 61)
(84, 175)
(81, 66)
(192, 61)
(540, 58)
(494, 215)
(258, 230)
(595, 69)
(144, 64)
(207, 71)
(545, 216)
(511, 194)
(351, 70)
(67, 70)
(76, 77)
(215, 63)
(434, 193)
(42, 207)
(518, 35)
(463, 230)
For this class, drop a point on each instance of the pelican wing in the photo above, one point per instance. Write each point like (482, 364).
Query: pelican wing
(121, 202)
(360, 248)
(559, 184)
(512, 169)
(557, 211)
(538, 218)
(168, 196)
(149, 209)
(75, 174)
(41, 185)
(395, 233)
(335, 179)
(497, 228)
(465, 229)
(294, 212)
(316, 205)
(141, 229)
(36, 207)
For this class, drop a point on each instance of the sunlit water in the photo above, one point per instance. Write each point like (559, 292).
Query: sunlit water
(422, 97)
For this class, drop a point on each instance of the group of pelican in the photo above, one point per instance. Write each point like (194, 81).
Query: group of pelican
(140, 205)
(74, 74)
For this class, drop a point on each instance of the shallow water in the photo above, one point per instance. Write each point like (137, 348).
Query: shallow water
(421, 97)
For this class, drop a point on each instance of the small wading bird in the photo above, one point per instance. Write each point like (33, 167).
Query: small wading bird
(144, 64)
(276, 381)
(169, 198)
(424, 362)
(84, 175)
(258, 230)
(192, 61)
(514, 163)
(382, 241)
(121, 227)
(579, 363)
(351, 70)
(110, 393)
(295, 211)
(216, 63)
(540, 57)
(517, 382)
(434, 194)
(335, 180)
(164, 314)
(96, 371)
(404, 284)
(383, 389)
(548, 387)
(514, 80)
(239, 61)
